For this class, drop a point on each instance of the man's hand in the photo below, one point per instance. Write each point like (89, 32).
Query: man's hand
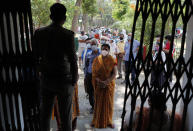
(39, 74)
(75, 80)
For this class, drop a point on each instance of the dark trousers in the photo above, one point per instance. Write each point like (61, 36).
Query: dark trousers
(171, 75)
(119, 65)
(50, 88)
(132, 70)
(168, 63)
(90, 89)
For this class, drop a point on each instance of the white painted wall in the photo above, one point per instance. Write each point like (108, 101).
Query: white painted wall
(189, 41)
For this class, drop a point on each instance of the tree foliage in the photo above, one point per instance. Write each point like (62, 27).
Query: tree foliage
(103, 16)
(40, 12)
(124, 20)
(120, 8)
(89, 6)
(70, 5)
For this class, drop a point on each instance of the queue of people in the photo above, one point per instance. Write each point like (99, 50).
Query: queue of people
(102, 54)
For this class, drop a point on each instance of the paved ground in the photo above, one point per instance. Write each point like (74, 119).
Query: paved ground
(85, 118)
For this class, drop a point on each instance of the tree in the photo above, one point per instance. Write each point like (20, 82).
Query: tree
(120, 8)
(40, 12)
(103, 15)
(76, 15)
(88, 9)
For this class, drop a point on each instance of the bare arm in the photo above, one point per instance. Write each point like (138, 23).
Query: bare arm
(81, 41)
(73, 61)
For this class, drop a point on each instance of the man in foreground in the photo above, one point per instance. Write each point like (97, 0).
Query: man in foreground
(54, 54)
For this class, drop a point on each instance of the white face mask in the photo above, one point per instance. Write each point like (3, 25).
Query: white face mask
(88, 46)
(94, 47)
(103, 41)
(129, 37)
(104, 52)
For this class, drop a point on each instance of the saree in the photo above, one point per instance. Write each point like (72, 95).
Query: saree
(75, 104)
(104, 97)
(75, 107)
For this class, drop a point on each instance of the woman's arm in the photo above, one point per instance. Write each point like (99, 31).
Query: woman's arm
(113, 75)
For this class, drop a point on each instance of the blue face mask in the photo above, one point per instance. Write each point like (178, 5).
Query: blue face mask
(129, 37)
(103, 41)
(88, 46)
(114, 37)
(94, 47)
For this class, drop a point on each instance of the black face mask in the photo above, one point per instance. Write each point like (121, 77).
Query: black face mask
(121, 38)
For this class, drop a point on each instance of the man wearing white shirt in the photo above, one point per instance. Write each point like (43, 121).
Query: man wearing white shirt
(113, 48)
(120, 55)
(82, 46)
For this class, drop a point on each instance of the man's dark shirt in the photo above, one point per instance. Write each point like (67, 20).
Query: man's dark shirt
(54, 52)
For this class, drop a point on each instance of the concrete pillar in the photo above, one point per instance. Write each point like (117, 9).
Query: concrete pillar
(189, 41)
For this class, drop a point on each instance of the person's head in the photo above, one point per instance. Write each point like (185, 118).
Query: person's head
(114, 34)
(156, 47)
(121, 36)
(157, 101)
(129, 37)
(103, 40)
(104, 33)
(111, 41)
(58, 13)
(168, 38)
(88, 43)
(94, 44)
(105, 48)
(82, 32)
(157, 37)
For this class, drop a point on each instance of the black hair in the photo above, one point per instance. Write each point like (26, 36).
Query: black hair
(168, 37)
(105, 45)
(82, 32)
(158, 100)
(58, 12)
(158, 36)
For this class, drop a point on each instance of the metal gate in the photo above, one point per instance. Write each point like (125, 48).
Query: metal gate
(18, 92)
(180, 93)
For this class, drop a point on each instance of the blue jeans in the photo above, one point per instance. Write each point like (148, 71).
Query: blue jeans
(50, 88)
(132, 70)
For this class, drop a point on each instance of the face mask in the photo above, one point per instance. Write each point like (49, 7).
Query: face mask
(104, 52)
(103, 41)
(88, 46)
(157, 48)
(129, 37)
(121, 38)
(94, 47)
(157, 39)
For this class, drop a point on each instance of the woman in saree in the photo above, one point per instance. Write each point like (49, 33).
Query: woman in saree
(103, 79)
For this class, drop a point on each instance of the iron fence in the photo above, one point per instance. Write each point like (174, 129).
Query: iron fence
(179, 94)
